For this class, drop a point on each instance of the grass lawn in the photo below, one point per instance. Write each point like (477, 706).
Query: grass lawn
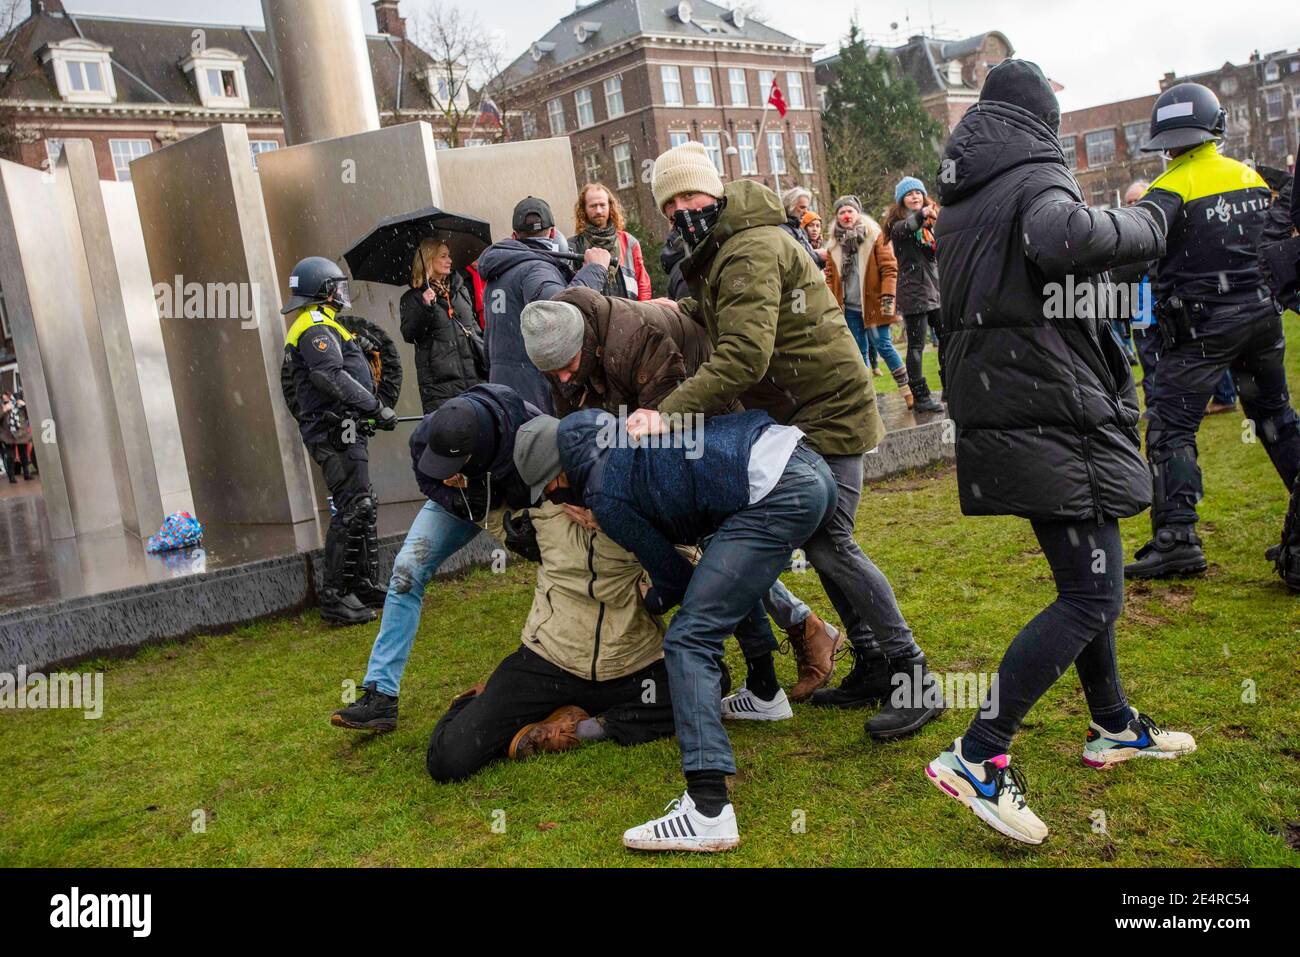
(235, 725)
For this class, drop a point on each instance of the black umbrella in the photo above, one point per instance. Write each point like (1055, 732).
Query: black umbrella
(386, 253)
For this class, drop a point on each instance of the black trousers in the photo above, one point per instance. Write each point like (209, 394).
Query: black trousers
(347, 476)
(917, 324)
(526, 687)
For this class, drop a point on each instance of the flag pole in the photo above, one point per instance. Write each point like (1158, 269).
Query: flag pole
(762, 125)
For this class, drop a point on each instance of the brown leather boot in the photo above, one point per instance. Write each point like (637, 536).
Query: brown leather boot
(814, 643)
(558, 732)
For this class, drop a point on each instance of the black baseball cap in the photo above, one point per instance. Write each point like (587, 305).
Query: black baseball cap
(460, 428)
(531, 214)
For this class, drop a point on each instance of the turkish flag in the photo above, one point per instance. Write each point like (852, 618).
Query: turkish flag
(776, 99)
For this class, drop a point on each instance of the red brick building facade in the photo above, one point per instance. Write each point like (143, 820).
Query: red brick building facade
(1101, 144)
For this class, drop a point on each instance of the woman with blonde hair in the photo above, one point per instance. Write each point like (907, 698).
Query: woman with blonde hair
(437, 317)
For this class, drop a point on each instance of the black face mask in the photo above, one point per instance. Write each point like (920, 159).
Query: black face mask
(563, 496)
(695, 224)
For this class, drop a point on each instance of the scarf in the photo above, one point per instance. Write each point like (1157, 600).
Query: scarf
(606, 238)
(849, 240)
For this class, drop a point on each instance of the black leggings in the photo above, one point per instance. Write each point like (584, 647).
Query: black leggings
(916, 324)
(1087, 562)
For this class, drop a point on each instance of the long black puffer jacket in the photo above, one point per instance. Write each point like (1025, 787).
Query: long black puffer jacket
(448, 347)
(1045, 409)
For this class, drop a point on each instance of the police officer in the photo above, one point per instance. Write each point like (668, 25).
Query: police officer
(336, 408)
(1215, 313)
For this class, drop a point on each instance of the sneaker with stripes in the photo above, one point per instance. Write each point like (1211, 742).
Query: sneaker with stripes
(744, 705)
(684, 828)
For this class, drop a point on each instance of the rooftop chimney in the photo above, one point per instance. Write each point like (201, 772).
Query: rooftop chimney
(47, 6)
(390, 19)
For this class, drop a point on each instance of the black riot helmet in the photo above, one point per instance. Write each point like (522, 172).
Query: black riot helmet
(1185, 115)
(316, 280)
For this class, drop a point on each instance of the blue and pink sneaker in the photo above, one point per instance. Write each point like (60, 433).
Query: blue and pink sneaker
(1141, 739)
(993, 790)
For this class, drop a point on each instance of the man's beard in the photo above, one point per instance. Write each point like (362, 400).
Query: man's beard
(598, 221)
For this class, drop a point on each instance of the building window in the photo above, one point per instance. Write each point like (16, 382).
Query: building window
(776, 153)
(803, 151)
(1100, 147)
(1277, 147)
(623, 164)
(672, 81)
(765, 78)
(528, 124)
(82, 70)
(218, 78)
(703, 86)
(221, 84)
(1271, 71)
(1273, 103)
(1067, 147)
(794, 91)
(586, 115)
(748, 156)
(591, 167)
(1135, 137)
(555, 113)
(678, 138)
(713, 146)
(84, 76)
(736, 82)
(261, 146)
(614, 96)
(53, 150)
(123, 152)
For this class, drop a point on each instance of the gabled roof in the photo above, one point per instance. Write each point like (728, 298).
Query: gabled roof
(926, 59)
(620, 20)
(147, 57)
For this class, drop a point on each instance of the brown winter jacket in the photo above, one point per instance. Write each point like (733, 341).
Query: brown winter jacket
(879, 272)
(633, 354)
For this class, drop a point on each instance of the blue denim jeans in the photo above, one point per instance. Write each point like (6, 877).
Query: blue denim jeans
(435, 535)
(876, 339)
(744, 557)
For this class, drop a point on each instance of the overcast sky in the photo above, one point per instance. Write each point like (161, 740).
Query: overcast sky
(1099, 50)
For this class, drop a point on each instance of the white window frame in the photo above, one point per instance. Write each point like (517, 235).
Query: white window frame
(555, 116)
(582, 105)
(803, 151)
(794, 90)
(257, 147)
(712, 141)
(528, 124)
(614, 96)
(1071, 151)
(703, 77)
(436, 79)
(1135, 143)
(765, 78)
(623, 168)
(736, 80)
(200, 68)
(670, 77)
(123, 152)
(1268, 103)
(1272, 71)
(69, 59)
(748, 153)
(776, 152)
(591, 167)
(678, 138)
(1098, 137)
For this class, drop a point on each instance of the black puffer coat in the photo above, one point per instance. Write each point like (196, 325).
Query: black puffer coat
(448, 347)
(918, 273)
(1045, 408)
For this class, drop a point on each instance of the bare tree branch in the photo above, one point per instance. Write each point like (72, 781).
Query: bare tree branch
(465, 53)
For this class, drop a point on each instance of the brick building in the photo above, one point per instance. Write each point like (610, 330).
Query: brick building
(627, 79)
(949, 74)
(134, 85)
(1102, 143)
(1262, 98)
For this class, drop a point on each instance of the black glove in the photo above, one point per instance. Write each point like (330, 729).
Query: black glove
(386, 419)
(521, 537)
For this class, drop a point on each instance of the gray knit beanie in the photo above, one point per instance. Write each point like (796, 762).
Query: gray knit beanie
(553, 333)
(849, 200)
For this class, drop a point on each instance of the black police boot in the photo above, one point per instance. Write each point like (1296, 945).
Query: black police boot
(373, 711)
(1175, 550)
(1285, 555)
(867, 684)
(336, 604)
(915, 698)
(366, 584)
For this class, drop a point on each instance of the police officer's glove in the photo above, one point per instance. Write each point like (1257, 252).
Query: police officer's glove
(521, 537)
(386, 419)
(365, 343)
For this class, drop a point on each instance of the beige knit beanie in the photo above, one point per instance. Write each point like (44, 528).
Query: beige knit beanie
(684, 169)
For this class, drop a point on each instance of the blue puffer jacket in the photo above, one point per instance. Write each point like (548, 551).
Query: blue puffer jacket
(516, 272)
(650, 499)
(508, 412)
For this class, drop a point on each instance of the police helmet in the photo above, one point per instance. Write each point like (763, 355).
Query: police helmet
(316, 279)
(1185, 115)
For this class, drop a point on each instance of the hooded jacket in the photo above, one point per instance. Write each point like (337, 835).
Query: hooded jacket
(918, 268)
(877, 271)
(633, 354)
(1044, 404)
(780, 342)
(490, 485)
(651, 499)
(588, 617)
(448, 345)
(516, 272)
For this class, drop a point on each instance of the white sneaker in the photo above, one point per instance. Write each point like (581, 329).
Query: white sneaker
(1141, 739)
(993, 790)
(744, 705)
(684, 828)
